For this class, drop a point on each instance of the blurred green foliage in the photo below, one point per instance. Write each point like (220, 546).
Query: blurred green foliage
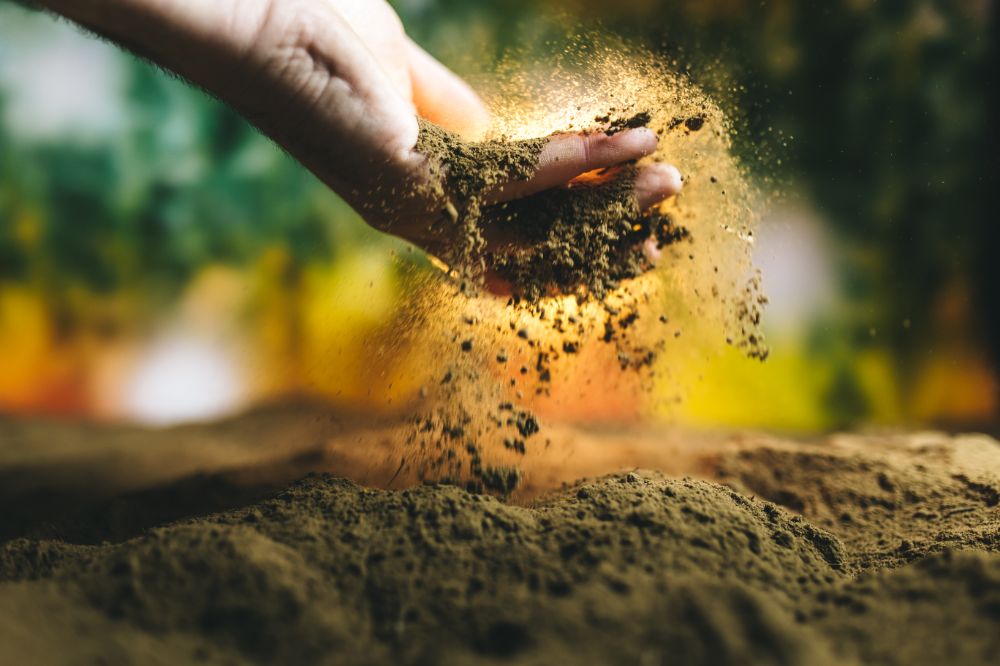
(143, 208)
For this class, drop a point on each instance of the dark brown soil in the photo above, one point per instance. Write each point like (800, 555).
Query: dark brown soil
(879, 550)
(584, 239)
(461, 175)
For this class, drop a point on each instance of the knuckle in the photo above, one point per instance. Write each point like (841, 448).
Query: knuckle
(284, 24)
(587, 149)
(593, 150)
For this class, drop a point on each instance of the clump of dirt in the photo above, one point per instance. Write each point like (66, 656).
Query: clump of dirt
(587, 238)
(461, 174)
(583, 239)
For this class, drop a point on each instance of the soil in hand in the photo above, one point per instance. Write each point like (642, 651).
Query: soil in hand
(582, 239)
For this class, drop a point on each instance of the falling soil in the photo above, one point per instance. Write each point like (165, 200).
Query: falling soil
(582, 240)
(870, 552)
(582, 307)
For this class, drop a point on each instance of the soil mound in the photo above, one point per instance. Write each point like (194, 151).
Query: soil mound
(632, 568)
(891, 500)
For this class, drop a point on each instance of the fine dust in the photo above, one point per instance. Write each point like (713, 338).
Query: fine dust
(578, 302)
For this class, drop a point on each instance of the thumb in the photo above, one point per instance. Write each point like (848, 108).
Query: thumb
(445, 99)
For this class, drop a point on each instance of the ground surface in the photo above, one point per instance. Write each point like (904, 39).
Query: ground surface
(205, 544)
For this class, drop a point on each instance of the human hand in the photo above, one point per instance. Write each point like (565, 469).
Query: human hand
(338, 84)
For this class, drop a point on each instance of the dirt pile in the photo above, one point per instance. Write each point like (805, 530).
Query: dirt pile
(437, 574)
(895, 504)
(632, 568)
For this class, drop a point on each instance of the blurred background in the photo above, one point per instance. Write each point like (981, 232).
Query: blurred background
(160, 262)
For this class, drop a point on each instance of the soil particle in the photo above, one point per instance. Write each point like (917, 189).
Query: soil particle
(694, 124)
(526, 424)
(616, 125)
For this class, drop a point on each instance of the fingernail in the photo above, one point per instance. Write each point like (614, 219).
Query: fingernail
(675, 177)
(642, 138)
(668, 178)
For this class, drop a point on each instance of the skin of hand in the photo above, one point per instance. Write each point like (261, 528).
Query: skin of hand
(338, 84)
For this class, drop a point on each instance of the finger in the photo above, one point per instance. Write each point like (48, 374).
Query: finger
(566, 156)
(652, 250)
(445, 99)
(655, 183)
